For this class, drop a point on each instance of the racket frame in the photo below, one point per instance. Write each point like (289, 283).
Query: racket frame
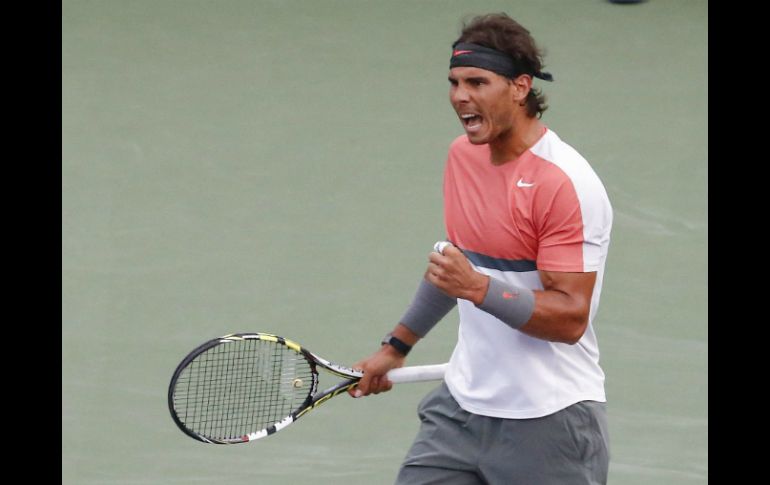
(313, 400)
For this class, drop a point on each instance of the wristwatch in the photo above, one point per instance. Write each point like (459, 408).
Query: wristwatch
(396, 343)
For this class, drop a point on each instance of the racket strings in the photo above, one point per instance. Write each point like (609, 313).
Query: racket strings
(241, 387)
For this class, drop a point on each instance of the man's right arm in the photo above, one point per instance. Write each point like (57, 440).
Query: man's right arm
(379, 363)
(428, 307)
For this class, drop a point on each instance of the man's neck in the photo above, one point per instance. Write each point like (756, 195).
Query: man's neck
(522, 136)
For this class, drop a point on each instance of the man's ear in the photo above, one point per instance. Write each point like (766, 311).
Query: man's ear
(522, 85)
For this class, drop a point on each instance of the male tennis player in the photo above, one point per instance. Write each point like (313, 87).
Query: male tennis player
(523, 400)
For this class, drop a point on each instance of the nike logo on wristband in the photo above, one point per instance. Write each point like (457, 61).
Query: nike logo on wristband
(509, 295)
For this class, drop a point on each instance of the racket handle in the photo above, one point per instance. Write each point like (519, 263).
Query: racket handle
(418, 373)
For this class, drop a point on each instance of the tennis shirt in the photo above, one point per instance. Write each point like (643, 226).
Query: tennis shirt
(546, 210)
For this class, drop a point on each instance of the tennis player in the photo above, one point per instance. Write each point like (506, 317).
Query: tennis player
(529, 222)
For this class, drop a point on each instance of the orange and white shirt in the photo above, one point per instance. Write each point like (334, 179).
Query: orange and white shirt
(546, 210)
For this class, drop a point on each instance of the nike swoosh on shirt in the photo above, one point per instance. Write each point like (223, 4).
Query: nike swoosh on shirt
(522, 183)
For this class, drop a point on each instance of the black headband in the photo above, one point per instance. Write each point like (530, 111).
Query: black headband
(474, 55)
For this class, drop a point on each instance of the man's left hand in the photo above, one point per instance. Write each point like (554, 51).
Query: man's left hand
(451, 272)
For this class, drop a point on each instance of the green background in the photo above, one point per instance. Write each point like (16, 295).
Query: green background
(276, 166)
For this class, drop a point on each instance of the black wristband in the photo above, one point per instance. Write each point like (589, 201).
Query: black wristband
(397, 344)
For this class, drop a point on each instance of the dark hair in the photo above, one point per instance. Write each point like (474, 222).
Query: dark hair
(500, 32)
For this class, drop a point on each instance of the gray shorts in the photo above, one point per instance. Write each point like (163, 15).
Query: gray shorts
(455, 447)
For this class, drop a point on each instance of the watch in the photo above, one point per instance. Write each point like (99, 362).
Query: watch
(396, 343)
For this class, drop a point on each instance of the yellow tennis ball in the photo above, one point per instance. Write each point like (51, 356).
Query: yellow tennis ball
(297, 382)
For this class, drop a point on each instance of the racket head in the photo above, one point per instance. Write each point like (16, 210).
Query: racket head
(241, 387)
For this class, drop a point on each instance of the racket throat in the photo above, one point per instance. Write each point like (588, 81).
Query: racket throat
(327, 394)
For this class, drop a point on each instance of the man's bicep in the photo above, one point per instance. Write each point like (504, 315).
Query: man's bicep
(562, 310)
(579, 286)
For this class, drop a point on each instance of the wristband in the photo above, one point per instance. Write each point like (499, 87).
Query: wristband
(397, 343)
(428, 307)
(510, 304)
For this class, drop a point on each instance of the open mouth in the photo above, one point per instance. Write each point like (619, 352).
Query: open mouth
(471, 121)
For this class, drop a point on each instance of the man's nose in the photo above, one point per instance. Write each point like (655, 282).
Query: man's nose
(459, 95)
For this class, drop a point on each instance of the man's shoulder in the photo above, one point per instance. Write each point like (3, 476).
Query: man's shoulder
(462, 148)
(555, 150)
(459, 142)
(563, 157)
(561, 163)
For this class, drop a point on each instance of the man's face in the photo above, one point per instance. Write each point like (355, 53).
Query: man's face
(484, 101)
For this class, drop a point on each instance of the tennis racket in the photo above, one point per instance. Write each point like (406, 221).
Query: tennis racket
(245, 386)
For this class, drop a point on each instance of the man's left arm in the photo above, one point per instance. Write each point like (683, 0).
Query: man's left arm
(558, 313)
(562, 307)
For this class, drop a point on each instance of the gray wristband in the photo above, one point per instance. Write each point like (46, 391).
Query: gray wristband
(511, 304)
(428, 307)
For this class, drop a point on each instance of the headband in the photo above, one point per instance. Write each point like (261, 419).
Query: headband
(474, 55)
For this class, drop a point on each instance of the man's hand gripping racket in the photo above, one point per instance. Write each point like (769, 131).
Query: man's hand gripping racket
(376, 366)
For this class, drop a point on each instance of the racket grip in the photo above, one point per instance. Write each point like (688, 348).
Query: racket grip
(417, 373)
